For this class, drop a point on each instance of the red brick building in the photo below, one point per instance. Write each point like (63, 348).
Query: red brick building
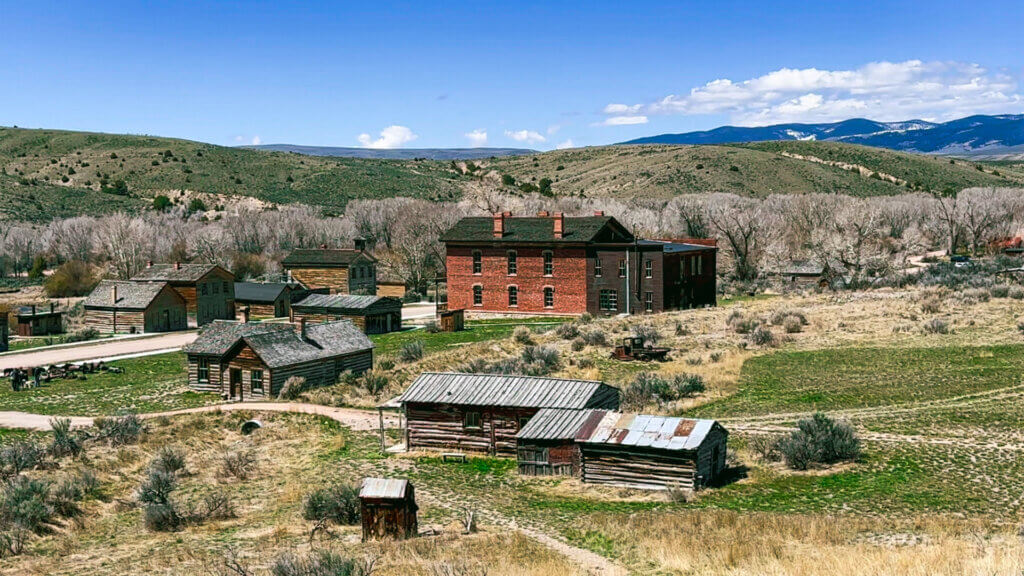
(553, 264)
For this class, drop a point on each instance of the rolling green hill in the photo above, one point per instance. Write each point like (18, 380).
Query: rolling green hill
(51, 173)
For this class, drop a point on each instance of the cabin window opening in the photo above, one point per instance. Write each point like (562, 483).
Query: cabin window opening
(622, 268)
(549, 297)
(478, 262)
(648, 268)
(513, 296)
(471, 420)
(256, 377)
(226, 290)
(609, 300)
(649, 301)
(216, 288)
(549, 263)
(523, 420)
(203, 372)
(700, 265)
(513, 264)
(478, 295)
(597, 267)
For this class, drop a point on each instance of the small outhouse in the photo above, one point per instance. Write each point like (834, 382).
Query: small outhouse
(388, 509)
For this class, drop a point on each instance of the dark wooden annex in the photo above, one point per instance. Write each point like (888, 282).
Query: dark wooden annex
(388, 509)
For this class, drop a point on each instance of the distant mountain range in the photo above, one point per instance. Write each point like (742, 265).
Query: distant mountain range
(977, 136)
(396, 153)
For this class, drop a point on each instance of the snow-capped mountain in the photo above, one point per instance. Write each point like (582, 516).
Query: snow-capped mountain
(966, 136)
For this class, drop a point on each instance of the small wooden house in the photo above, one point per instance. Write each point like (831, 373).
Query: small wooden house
(392, 288)
(120, 307)
(484, 412)
(452, 320)
(208, 289)
(4, 343)
(388, 509)
(373, 314)
(252, 361)
(340, 270)
(268, 300)
(39, 320)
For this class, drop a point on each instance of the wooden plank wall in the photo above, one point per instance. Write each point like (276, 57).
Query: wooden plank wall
(104, 321)
(440, 427)
(637, 468)
(335, 279)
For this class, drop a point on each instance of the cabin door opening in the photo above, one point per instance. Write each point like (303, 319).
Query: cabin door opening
(166, 318)
(236, 383)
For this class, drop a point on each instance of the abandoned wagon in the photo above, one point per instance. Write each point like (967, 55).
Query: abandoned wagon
(484, 412)
(119, 307)
(39, 320)
(373, 314)
(650, 452)
(252, 361)
(270, 300)
(208, 289)
(388, 508)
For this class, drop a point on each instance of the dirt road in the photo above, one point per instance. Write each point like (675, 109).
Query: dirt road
(97, 350)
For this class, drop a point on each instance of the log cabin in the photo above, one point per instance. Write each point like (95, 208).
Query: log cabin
(39, 320)
(208, 289)
(484, 412)
(339, 270)
(120, 307)
(252, 361)
(387, 507)
(271, 300)
(372, 314)
(629, 450)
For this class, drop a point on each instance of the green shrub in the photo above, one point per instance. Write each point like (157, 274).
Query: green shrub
(156, 488)
(25, 503)
(819, 440)
(568, 330)
(577, 344)
(386, 364)
(161, 203)
(72, 279)
(197, 205)
(65, 442)
(338, 504)
(83, 335)
(19, 456)
(411, 351)
(648, 387)
(374, 381)
(545, 358)
(595, 337)
(648, 333)
(936, 326)
(170, 460)
(762, 336)
(792, 325)
(162, 517)
(321, 563)
(119, 430)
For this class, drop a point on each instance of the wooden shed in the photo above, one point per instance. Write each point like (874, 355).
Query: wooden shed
(208, 289)
(39, 320)
(340, 270)
(271, 300)
(547, 444)
(120, 307)
(252, 361)
(484, 412)
(452, 320)
(373, 314)
(388, 509)
(650, 452)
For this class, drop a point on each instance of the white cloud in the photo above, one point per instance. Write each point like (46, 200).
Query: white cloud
(256, 141)
(477, 138)
(624, 121)
(553, 129)
(567, 144)
(528, 136)
(390, 137)
(884, 91)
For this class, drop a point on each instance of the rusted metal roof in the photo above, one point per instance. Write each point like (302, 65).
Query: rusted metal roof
(557, 424)
(644, 430)
(384, 488)
(509, 391)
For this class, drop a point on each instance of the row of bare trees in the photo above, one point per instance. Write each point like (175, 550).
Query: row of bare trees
(865, 236)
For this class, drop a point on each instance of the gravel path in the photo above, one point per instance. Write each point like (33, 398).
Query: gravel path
(118, 347)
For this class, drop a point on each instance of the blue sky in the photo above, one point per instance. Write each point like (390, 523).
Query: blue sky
(526, 74)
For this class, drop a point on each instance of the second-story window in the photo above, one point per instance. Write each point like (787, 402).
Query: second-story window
(512, 263)
(597, 267)
(648, 268)
(622, 268)
(478, 262)
(549, 263)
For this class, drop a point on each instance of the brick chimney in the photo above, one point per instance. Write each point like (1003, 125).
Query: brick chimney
(598, 212)
(543, 214)
(53, 307)
(33, 309)
(177, 265)
(113, 294)
(559, 225)
(499, 224)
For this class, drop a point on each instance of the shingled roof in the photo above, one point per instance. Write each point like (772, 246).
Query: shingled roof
(531, 229)
(130, 295)
(509, 391)
(174, 272)
(348, 304)
(281, 344)
(325, 257)
(264, 293)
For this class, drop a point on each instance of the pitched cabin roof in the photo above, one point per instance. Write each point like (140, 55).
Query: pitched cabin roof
(175, 272)
(555, 424)
(325, 257)
(509, 391)
(645, 431)
(384, 488)
(579, 229)
(280, 344)
(130, 295)
(264, 293)
(348, 304)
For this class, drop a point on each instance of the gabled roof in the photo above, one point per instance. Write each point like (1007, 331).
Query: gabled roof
(582, 229)
(644, 430)
(509, 391)
(348, 303)
(259, 292)
(384, 488)
(556, 424)
(130, 295)
(175, 272)
(280, 344)
(325, 257)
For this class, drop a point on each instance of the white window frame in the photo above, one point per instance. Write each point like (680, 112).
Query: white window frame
(549, 290)
(510, 290)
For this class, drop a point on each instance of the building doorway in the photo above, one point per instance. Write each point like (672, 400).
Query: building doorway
(236, 383)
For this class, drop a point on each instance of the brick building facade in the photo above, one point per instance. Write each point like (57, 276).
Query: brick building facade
(552, 264)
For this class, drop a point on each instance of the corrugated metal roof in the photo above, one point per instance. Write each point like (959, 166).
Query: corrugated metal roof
(510, 391)
(646, 430)
(386, 488)
(341, 303)
(557, 424)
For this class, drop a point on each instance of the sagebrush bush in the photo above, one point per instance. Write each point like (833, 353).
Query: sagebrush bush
(595, 337)
(931, 305)
(162, 517)
(586, 318)
(239, 463)
(762, 336)
(681, 329)
(522, 335)
(545, 357)
(717, 355)
(649, 387)
(322, 563)
(411, 351)
(83, 335)
(119, 430)
(578, 344)
(156, 488)
(25, 503)
(819, 440)
(999, 291)
(974, 295)
(16, 457)
(792, 325)
(568, 330)
(65, 442)
(170, 460)
(648, 333)
(215, 506)
(338, 504)
(432, 327)
(1016, 292)
(742, 323)
(374, 381)
(292, 389)
(779, 317)
(936, 326)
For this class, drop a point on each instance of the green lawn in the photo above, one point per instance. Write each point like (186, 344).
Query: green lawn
(149, 384)
(40, 341)
(476, 331)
